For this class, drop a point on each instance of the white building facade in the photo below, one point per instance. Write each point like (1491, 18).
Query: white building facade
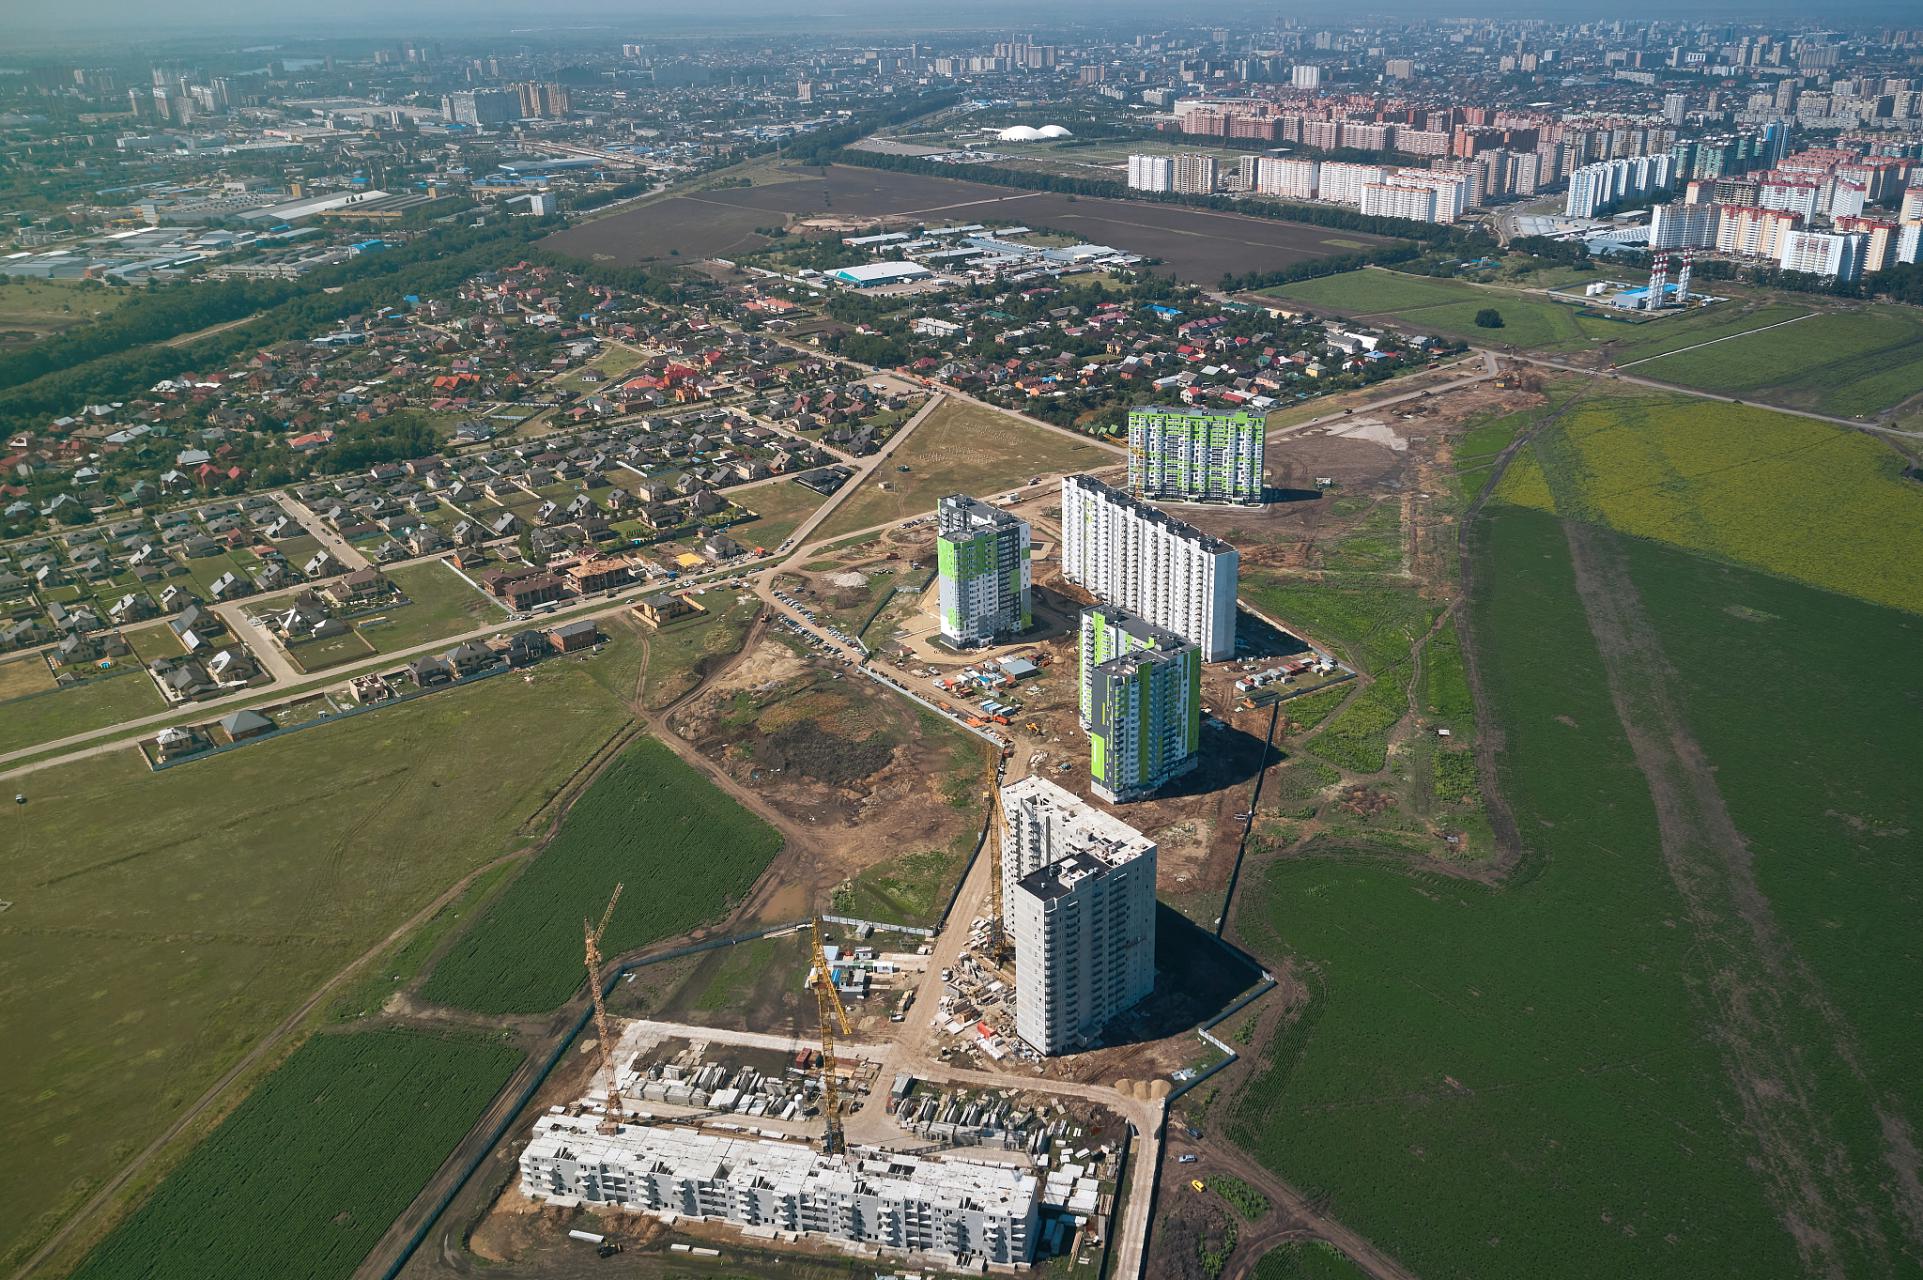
(1131, 555)
(954, 1209)
(1082, 919)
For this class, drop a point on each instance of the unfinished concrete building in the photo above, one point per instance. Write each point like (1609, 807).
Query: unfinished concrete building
(961, 1211)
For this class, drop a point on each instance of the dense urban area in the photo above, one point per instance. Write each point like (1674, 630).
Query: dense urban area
(1247, 652)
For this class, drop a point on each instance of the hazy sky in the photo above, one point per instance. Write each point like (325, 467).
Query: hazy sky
(38, 23)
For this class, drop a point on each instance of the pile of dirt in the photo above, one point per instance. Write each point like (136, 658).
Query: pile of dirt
(814, 753)
(1365, 802)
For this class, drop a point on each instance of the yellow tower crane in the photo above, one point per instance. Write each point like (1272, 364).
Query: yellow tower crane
(612, 1120)
(833, 1017)
(997, 922)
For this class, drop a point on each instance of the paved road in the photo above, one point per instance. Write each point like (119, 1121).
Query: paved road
(338, 547)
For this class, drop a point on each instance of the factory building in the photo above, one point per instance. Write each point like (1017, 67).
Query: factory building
(982, 554)
(1082, 915)
(1151, 564)
(954, 1209)
(1140, 701)
(1195, 455)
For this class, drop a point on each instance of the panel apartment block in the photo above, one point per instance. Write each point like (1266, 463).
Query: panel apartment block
(1151, 564)
(1082, 916)
(1195, 455)
(949, 1208)
(982, 553)
(1141, 702)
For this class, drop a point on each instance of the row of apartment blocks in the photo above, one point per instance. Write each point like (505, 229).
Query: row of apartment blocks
(1852, 247)
(1440, 194)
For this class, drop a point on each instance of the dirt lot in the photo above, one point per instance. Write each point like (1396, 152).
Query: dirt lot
(832, 750)
(1198, 245)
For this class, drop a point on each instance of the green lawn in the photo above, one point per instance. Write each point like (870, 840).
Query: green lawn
(684, 849)
(439, 604)
(1849, 363)
(1824, 505)
(92, 704)
(966, 448)
(195, 908)
(315, 1165)
(779, 508)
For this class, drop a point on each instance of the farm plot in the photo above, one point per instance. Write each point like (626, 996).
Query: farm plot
(685, 850)
(314, 1165)
(196, 908)
(1820, 504)
(1198, 244)
(1851, 363)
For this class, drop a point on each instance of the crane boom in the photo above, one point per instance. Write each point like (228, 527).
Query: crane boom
(833, 1016)
(592, 933)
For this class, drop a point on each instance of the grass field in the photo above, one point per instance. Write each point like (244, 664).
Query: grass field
(1570, 1043)
(194, 909)
(32, 309)
(439, 604)
(684, 849)
(1306, 1260)
(779, 508)
(1702, 326)
(680, 652)
(315, 1165)
(961, 447)
(1850, 363)
(1450, 306)
(93, 704)
(1820, 504)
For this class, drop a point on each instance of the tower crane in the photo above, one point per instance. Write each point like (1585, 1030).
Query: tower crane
(833, 1016)
(997, 922)
(612, 1120)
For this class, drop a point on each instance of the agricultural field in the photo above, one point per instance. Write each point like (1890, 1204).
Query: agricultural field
(1823, 505)
(198, 907)
(1306, 1260)
(34, 309)
(1570, 1044)
(48, 714)
(1197, 244)
(314, 1165)
(686, 851)
(1851, 363)
(961, 447)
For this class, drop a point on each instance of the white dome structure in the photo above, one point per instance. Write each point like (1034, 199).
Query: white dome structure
(1025, 133)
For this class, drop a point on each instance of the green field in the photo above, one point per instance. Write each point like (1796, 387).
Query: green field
(961, 447)
(439, 604)
(1306, 1260)
(685, 850)
(188, 912)
(309, 1172)
(32, 309)
(1821, 504)
(779, 508)
(1702, 326)
(1450, 306)
(93, 704)
(1849, 363)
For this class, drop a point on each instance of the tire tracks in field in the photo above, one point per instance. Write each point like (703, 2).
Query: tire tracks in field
(1758, 992)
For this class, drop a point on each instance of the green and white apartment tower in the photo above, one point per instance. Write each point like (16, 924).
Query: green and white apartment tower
(1141, 703)
(1178, 454)
(982, 553)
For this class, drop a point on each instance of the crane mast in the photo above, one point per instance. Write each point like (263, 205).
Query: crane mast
(833, 1016)
(612, 1120)
(997, 922)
